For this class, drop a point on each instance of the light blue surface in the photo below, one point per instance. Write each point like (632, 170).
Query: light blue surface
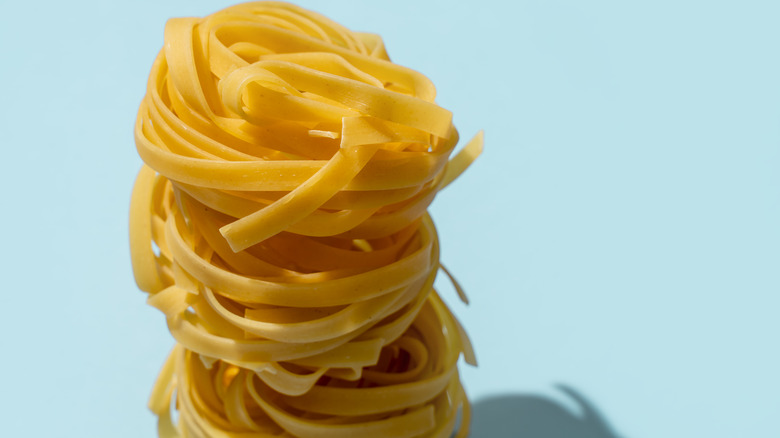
(620, 234)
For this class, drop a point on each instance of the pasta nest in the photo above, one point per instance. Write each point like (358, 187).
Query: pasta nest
(280, 223)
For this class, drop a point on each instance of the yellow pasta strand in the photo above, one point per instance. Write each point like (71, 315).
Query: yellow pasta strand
(280, 225)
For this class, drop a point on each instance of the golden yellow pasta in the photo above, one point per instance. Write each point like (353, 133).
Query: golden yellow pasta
(280, 224)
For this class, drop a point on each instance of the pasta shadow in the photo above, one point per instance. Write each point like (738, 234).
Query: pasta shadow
(535, 416)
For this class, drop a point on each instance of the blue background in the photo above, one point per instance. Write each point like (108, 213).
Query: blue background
(620, 234)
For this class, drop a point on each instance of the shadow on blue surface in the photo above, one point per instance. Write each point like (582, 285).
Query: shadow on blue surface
(535, 416)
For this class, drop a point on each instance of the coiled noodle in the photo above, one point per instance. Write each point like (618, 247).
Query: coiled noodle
(280, 225)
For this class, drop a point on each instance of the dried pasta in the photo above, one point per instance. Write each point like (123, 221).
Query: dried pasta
(280, 224)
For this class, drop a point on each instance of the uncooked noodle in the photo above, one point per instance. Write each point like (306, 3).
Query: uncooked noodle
(280, 224)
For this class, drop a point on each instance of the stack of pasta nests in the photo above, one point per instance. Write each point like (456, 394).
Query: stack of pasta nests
(280, 225)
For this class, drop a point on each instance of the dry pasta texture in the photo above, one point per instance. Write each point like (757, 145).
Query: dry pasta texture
(280, 224)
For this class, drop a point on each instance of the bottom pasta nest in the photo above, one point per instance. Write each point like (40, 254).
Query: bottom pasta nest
(413, 390)
(363, 349)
